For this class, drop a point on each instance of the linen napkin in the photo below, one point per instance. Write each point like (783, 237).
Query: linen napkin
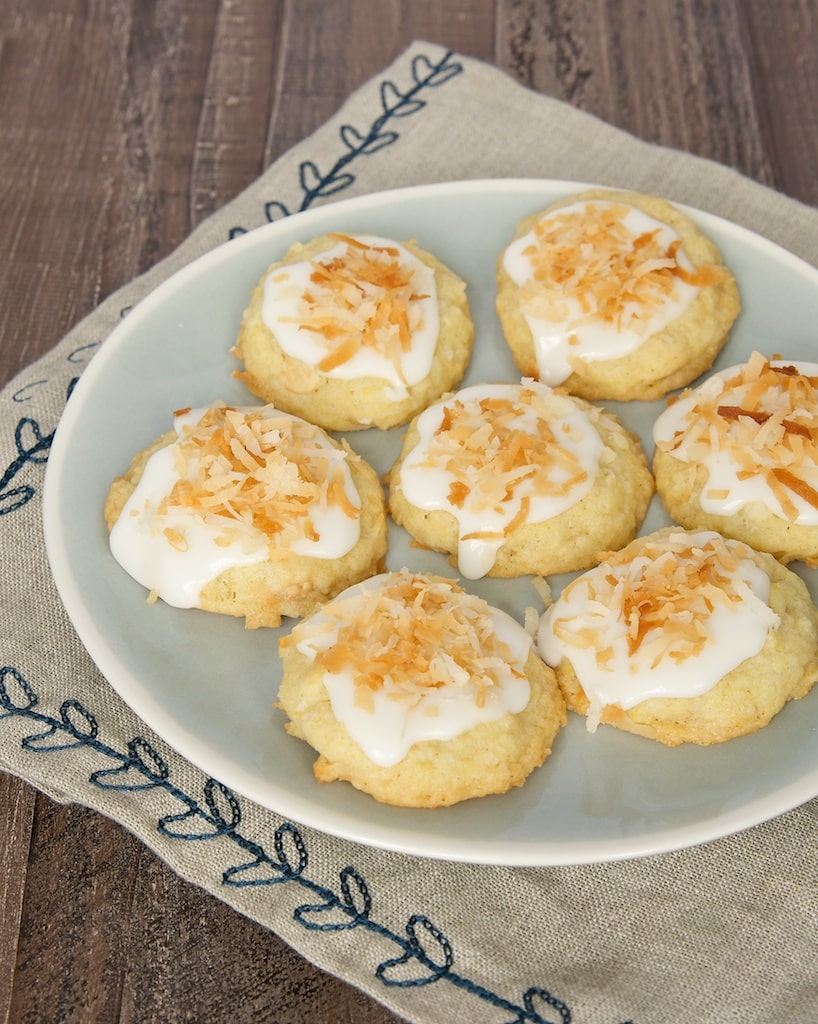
(721, 932)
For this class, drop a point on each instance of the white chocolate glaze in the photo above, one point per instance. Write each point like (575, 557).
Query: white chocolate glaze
(292, 300)
(740, 455)
(212, 542)
(579, 331)
(589, 618)
(442, 705)
(570, 447)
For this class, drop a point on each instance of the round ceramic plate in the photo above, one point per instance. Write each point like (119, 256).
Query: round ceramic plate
(207, 685)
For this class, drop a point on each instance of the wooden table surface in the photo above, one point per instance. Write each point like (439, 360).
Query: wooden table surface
(124, 123)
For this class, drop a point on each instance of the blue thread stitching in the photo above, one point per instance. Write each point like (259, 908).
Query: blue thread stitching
(394, 104)
(78, 355)
(32, 447)
(424, 950)
(24, 394)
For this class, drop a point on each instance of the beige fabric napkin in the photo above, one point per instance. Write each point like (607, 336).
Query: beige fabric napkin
(718, 933)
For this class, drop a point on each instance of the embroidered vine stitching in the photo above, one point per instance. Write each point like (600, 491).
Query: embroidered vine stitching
(32, 446)
(395, 104)
(424, 954)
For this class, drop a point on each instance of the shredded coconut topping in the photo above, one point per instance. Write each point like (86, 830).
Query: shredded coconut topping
(258, 470)
(664, 592)
(365, 297)
(592, 257)
(414, 633)
(500, 450)
(766, 418)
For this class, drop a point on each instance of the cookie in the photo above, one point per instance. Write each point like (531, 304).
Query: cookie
(514, 479)
(615, 295)
(417, 693)
(247, 512)
(739, 454)
(683, 637)
(355, 331)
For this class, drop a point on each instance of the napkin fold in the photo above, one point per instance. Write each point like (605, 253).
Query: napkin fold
(721, 932)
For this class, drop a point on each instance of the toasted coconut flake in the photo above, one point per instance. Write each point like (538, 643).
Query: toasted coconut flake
(766, 417)
(666, 591)
(501, 452)
(414, 633)
(591, 257)
(365, 297)
(176, 539)
(256, 471)
(543, 589)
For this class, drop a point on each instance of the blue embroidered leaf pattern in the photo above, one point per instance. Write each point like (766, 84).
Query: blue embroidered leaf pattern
(75, 722)
(396, 104)
(351, 137)
(11, 500)
(550, 1002)
(309, 176)
(32, 447)
(14, 685)
(30, 440)
(314, 185)
(194, 824)
(424, 73)
(274, 211)
(402, 972)
(255, 872)
(378, 141)
(218, 796)
(360, 145)
(144, 768)
(80, 355)
(24, 393)
(332, 185)
(334, 915)
(284, 869)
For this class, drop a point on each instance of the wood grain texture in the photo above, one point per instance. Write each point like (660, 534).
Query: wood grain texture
(671, 73)
(16, 817)
(237, 104)
(124, 123)
(782, 47)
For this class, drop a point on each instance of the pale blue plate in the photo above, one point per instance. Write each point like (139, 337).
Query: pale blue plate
(207, 686)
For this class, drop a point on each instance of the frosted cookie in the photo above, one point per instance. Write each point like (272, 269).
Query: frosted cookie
(247, 512)
(683, 638)
(739, 454)
(418, 693)
(514, 479)
(355, 331)
(616, 295)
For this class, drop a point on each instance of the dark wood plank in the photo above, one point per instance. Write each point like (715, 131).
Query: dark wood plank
(16, 817)
(95, 164)
(242, 83)
(671, 73)
(736, 83)
(782, 47)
